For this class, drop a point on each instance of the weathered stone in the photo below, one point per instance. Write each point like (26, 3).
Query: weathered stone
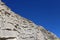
(15, 27)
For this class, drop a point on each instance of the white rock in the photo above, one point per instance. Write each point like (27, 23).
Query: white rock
(15, 27)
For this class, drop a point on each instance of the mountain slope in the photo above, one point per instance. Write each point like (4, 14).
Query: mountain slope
(15, 27)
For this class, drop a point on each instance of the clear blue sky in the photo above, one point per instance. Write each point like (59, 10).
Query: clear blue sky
(41, 12)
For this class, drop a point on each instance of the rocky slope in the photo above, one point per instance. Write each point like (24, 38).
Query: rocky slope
(15, 27)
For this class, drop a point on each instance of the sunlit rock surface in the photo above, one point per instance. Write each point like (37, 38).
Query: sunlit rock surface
(15, 27)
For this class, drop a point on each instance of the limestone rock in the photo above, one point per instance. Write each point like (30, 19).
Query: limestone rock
(15, 27)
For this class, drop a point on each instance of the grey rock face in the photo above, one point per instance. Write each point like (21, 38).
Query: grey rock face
(15, 27)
